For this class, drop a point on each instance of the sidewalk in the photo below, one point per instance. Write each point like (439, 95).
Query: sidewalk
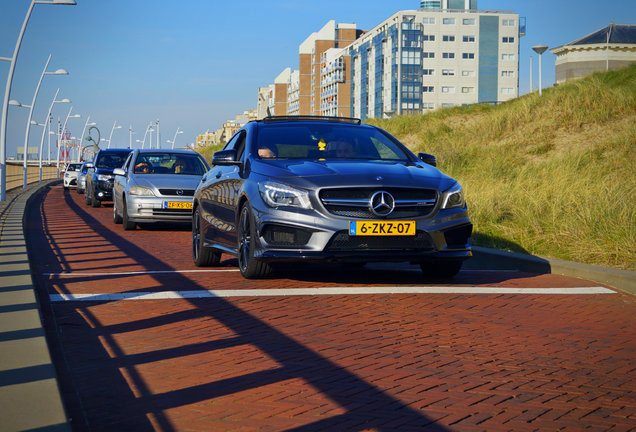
(29, 393)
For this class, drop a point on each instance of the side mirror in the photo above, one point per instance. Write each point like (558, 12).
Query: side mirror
(119, 172)
(427, 158)
(225, 157)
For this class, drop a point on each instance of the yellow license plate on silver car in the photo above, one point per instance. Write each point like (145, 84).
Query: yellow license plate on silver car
(177, 205)
(381, 228)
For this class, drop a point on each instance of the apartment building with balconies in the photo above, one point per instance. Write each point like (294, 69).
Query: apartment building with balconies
(310, 54)
(425, 59)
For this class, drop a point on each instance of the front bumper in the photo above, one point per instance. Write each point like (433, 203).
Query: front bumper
(155, 209)
(309, 235)
(70, 181)
(104, 190)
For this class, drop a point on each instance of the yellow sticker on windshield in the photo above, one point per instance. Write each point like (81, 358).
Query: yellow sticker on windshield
(322, 145)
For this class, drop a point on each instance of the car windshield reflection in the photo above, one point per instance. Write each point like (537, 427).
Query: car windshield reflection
(169, 163)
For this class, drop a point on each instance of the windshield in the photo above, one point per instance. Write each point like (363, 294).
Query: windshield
(326, 141)
(169, 163)
(73, 167)
(111, 160)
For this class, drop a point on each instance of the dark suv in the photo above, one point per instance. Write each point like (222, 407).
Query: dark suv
(99, 177)
(330, 189)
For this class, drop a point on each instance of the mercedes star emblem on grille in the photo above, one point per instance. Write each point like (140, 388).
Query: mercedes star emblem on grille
(382, 203)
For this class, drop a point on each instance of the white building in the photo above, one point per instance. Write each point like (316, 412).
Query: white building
(432, 57)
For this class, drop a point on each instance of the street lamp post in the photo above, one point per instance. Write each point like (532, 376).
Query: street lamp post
(28, 127)
(59, 139)
(7, 92)
(79, 149)
(539, 49)
(111, 132)
(130, 133)
(178, 132)
(48, 121)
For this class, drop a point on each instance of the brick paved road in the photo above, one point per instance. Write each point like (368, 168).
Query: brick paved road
(381, 362)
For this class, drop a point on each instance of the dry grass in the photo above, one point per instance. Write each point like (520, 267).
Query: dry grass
(552, 176)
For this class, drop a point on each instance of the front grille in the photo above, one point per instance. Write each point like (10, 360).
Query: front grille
(284, 236)
(354, 202)
(342, 241)
(173, 192)
(457, 238)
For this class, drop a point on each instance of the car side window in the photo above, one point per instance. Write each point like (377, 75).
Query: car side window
(230, 144)
(240, 146)
(127, 163)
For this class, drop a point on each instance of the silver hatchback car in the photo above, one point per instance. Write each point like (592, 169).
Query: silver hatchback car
(156, 185)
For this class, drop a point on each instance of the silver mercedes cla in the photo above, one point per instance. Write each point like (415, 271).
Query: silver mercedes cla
(156, 185)
(327, 189)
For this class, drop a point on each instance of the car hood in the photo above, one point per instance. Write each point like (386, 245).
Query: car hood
(167, 181)
(314, 174)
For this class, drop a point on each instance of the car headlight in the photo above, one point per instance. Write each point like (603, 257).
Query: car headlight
(281, 195)
(453, 197)
(141, 191)
(104, 177)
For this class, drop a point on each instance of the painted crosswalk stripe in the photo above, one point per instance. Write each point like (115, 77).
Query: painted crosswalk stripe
(288, 292)
(134, 273)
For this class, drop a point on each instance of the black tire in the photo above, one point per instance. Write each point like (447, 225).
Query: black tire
(127, 223)
(94, 201)
(87, 199)
(443, 269)
(116, 218)
(203, 256)
(65, 187)
(250, 267)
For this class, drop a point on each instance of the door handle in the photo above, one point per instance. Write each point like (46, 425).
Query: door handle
(219, 174)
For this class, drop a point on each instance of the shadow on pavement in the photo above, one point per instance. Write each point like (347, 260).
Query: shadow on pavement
(101, 384)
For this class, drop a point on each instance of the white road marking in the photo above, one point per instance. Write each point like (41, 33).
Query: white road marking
(288, 292)
(73, 274)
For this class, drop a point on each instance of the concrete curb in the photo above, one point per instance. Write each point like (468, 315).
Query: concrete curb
(491, 259)
(29, 391)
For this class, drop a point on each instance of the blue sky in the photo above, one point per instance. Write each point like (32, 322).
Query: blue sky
(193, 64)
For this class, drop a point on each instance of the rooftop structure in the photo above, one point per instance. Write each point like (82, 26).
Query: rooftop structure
(612, 47)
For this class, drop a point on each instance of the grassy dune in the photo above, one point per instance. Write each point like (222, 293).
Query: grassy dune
(552, 176)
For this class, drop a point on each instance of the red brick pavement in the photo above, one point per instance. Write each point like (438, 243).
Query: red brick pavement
(371, 362)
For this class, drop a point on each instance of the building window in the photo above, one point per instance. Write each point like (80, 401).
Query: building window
(448, 89)
(508, 39)
(468, 21)
(468, 55)
(447, 105)
(507, 56)
(428, 89)
(448, 72)
(508, 23)
(468, 73)
(507, 73)
(428, 105)
(468, 89)
(448, 38)
(428, 20)
(507, 90)
(428, 71)
(427, 54)
(448, 21)
(447, 55)
(468, 38)
(411, 57)
(429, 38)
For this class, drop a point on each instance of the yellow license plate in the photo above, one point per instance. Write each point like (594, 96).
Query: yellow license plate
(177, 205)
(382, 228)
